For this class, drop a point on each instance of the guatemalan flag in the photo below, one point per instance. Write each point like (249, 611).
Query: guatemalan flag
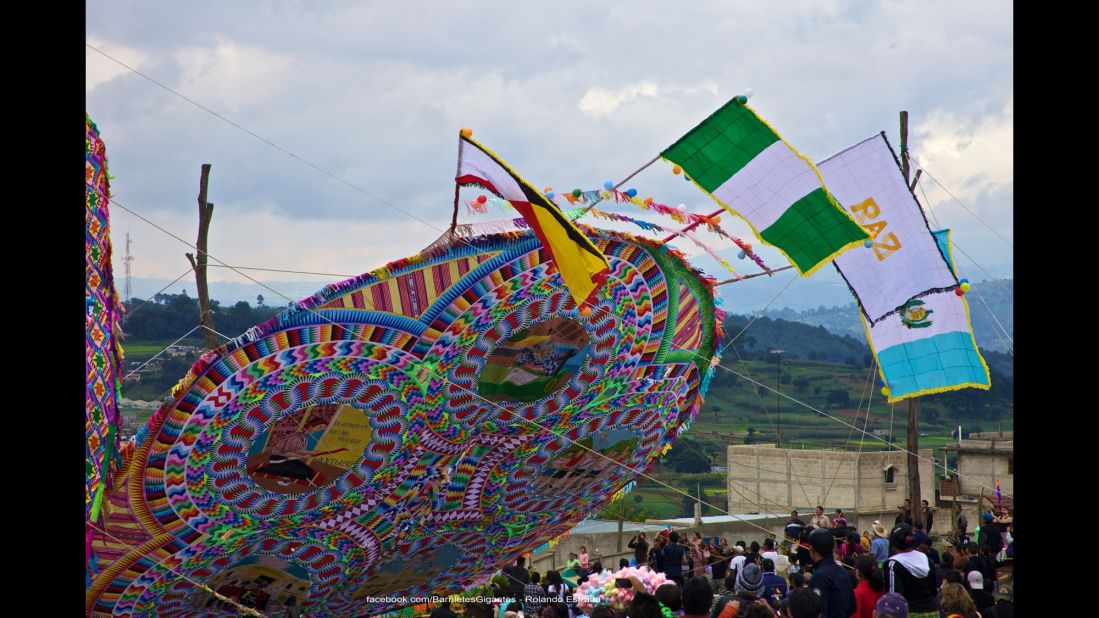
(903, 279)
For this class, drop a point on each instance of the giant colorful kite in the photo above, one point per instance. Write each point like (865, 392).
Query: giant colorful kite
(406, 432)
(102, 351)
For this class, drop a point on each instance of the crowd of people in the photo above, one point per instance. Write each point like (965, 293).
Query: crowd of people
(824, 568)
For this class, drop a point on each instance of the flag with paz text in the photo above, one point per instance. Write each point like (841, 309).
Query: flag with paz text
(747, 168)
(906, 288)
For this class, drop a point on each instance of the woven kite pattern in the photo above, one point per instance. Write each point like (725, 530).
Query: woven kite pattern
(102, 351)
(342, 454)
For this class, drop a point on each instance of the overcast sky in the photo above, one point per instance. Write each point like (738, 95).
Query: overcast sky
(570, 93)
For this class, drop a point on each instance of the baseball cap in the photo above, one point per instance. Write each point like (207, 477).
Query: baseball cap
(1005, 593)
(976, 580)
(892, 605)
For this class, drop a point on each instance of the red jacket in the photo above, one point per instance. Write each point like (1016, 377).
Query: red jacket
(865, 600)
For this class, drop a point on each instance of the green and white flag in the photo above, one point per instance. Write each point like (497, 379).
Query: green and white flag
(741, 162)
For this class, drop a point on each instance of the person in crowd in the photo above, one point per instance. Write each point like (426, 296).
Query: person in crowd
(799, 580)
(1005, 606)
(989, 535)
(673, 559)
(699, 554)
(555, 588)
(928, 516)
(829, 579)
(962, 522)
(518, 577)
(904, 514)
(924, 545)
(979, 561)
(820, 520)
(851, 548)
(670, 596)
(870, 588)
(803, 552)
(945, 567)
(753, 553)
(769, 550)
(774, 585)
(532, 596)
(908, 573)
(880, 544)
(656, 554)
(623, 563)
(728, 595)
(640, 547)
(956, 602)
(584, 558)
(644, 605)
(891, 605)
(698, 596)
(804, 603)
(866, 540)
(749, 582)
(919, 534)
(839, 522)
(981, 597)
(737, 560)
(719, 566)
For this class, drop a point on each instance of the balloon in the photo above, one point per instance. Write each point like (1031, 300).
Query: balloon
(959, 291)
(631, 192)
(965, 286)
(481, 199)
(577, 192)
(740, 255)
(868, 243)
(676, 169)
(549, 195)
(467, 132)
(749, 93)
(608, 185)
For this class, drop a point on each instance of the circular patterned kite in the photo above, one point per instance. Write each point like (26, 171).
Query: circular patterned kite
(407, 432)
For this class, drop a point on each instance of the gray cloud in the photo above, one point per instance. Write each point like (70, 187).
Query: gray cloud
(570, 93)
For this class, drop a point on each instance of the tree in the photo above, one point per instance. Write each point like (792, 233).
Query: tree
(686, 457)
(801, 383)
(751, 437)
(259, 300)
(839, 397)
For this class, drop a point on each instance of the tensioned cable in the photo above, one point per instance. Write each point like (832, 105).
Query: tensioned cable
(146, 301)
(163, 350)
(960, 203)
(333, 176)
(444, 378)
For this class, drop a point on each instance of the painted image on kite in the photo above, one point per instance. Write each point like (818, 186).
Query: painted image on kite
(577, 466)
(255, 581)
(308, 448)
(405, 573)
(534, 362)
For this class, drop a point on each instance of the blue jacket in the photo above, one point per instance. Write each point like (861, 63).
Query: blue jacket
(775, 588)
(880, 547)
(833, 584)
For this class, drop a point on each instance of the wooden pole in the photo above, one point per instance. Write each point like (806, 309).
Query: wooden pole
(753, 275)
(621, 182)
(205, 213)
(913, 403)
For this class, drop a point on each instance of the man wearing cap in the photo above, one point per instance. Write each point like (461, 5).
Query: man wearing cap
(989, 535)
(830, 581)
(981, 597)
(891, 605)
(1004, 607)
(880, 545)
(909, 574)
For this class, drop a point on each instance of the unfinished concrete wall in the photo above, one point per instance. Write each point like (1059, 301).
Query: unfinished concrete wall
(765, 479)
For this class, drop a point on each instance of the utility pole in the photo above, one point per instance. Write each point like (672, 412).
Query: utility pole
(913, 403)
(205, 213)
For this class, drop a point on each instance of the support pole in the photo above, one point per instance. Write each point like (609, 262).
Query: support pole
(913, 444)
(205, 213)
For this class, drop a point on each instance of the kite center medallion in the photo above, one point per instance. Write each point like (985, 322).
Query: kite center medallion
(915, 315)
(308, 448)
(534, 362)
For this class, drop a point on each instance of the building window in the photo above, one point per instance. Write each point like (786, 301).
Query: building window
(889, 474)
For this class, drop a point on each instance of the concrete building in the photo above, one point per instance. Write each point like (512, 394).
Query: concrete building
(866, 485)
(982, 458)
